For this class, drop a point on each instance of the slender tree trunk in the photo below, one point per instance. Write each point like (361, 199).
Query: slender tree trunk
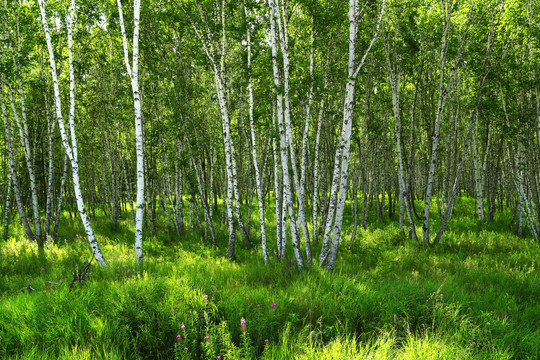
(278, 189)
(50, 127)
(6, 211)
(258, 182)
(395, 82)
(70, 150)
(280, 18)
(23, 133)
(443, 95)
(60, 198)
(341, 163)
(12, 165)
(284, 144)
(133, 72)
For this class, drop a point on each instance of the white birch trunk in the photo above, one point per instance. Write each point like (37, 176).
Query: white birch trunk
(315, 191)
(60, 197)
(443, 95)
(12, 165)
(134, 75)
(254, 145)
(23, 127)
(128, 189)
(71, 151)
(282, 26)
(274, 13)
(341, 164)
(404, 198)
(6, 211)
(50, 127)
(23, 134)
(277, 187)
(219, 79)
(472, 121)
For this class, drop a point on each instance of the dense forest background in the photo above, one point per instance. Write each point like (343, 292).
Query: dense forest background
(308, 103)
(279, 132)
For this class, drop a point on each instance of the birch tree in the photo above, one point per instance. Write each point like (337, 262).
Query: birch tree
(71, 149)
(341, 161)
(22, 123)
(11, 163)
(258, 182)
(133, 72)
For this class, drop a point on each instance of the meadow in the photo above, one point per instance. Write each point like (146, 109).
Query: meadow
(473, 296)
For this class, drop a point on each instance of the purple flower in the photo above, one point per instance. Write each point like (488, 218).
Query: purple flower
(185, 349)
(51, 261)
(205, 298)
(207, 338)
(273, 305)
(243, 321)
(266, 340)
(42, 269)
(183, 327)
(178, 338)
(259, 305)
(218, 357)
(243, 325)
(172, 310)
(17, 260)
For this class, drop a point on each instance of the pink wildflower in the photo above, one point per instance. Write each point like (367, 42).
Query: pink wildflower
(243, 325)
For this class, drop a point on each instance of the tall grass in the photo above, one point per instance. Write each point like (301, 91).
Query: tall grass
(473, 296)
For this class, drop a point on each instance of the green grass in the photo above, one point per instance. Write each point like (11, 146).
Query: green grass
(473, 296)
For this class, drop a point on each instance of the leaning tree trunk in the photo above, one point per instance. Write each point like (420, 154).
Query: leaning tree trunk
(71, 150)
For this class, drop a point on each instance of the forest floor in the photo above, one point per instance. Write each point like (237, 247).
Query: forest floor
(476, 295)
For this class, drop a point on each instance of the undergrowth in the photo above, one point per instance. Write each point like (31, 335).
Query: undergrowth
(473, 296)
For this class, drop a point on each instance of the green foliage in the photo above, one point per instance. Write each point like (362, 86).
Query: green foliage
(474, 296)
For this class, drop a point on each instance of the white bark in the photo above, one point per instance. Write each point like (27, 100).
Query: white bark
(443, 95)
(254, 145)
(316, 161)
(12, 165)
(23, 127)
(277, 188)
(302, 186)
(341, 163)
(128, 188)
(133, 72)
(274, 13)
(23, 134)
(282, 26)
(60, 197)
(6, 211)
(50, 132)
(474, 114)
(71, 150)
(220, 83)
(404, 198)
